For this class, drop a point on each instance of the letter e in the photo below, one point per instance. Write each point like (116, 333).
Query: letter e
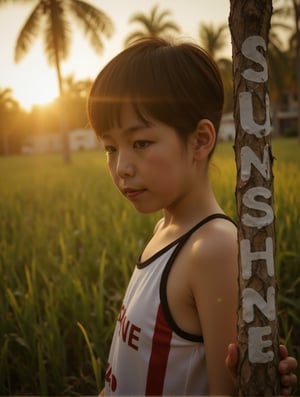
(133, 336)
(256, 344)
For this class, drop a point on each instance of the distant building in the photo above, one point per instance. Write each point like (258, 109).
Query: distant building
(285, 123)
(80, 139)
(44, 143)
(83, 139)
(227, 128)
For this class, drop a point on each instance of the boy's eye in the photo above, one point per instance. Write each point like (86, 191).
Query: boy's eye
(141, 144)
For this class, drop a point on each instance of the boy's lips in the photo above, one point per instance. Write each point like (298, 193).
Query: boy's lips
(132, 192)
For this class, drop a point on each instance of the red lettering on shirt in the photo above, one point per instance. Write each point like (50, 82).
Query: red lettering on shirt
(134, 336)
(127, 330)
(122, 314)
(110, 378)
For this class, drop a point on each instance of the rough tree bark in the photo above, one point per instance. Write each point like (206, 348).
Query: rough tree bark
(257, 321)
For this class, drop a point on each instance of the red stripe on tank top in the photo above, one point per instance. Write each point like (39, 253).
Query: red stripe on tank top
(159, 355)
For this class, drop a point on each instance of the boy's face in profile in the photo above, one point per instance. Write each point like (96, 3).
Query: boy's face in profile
(148, 162)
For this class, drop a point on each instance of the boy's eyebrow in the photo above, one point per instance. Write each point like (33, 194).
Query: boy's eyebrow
(129, 130)
(135, 127)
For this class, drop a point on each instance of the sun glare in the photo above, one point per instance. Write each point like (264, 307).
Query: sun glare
(36, 94)
(35, 83)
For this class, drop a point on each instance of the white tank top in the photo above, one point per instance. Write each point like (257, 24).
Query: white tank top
(150, 354)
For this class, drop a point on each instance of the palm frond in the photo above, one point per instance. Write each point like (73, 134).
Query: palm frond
(159, 18)
(167, 27)
(93, 21)
(213, 38)
(28, 33)
(6, 99)
(5, 93)
(140, 18)
(153, 12)
(155, 25)
(57, 36)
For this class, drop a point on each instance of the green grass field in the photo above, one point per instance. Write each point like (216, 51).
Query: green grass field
(68, 243)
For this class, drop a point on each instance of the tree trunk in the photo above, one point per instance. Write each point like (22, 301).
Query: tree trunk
(257, 321)
(297, 21)
(5, 146)
(64, 125)
(63, 115)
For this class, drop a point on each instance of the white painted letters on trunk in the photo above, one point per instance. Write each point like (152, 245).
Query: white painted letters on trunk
(258, 211)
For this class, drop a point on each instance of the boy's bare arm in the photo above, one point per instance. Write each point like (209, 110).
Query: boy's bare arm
(101, 394)
(214, 287)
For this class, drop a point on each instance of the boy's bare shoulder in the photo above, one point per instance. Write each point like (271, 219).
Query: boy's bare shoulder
(215, 229)
(216, 241)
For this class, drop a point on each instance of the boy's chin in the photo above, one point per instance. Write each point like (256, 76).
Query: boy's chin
(142, 209)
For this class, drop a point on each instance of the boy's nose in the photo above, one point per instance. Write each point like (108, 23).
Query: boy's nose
(125, 166)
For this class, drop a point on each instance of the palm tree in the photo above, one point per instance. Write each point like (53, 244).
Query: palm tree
(8, 105)
(279, 57)
(52, 19)
(157, 24)
(75, 95)
(74, 88)
(284, 69)
(214, 39)
(296, 5)
(280, 74)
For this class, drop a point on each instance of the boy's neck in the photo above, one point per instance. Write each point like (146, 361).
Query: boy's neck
(192, 209)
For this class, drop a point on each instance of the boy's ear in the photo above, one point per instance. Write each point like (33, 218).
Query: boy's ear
(203, 139)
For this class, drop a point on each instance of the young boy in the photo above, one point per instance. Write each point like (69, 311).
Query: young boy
(157, 108)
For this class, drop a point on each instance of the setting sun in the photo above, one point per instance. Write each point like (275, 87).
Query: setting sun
(33, 81)
(38, 95)
(38, 88)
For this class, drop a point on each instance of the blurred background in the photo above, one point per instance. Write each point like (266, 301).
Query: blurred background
(68, 241)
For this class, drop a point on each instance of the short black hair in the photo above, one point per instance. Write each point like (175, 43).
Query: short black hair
(177, 84)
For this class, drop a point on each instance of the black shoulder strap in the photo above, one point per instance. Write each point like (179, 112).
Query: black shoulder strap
(203, 222)
(163, 284)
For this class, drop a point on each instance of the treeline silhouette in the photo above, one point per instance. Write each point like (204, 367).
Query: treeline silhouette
(18, 125)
